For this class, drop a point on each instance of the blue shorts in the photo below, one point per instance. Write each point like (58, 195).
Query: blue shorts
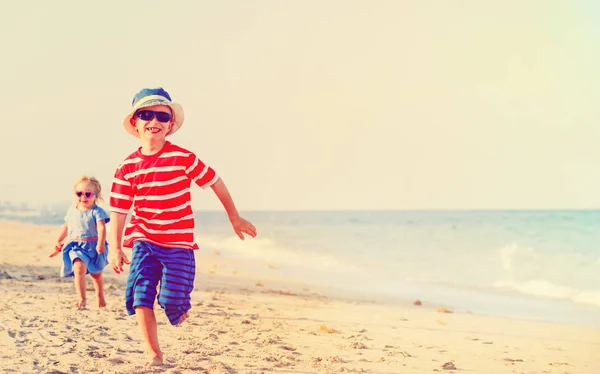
(174, 268)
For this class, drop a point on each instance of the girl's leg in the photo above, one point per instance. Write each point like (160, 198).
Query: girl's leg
(79, 269)
(98, 282)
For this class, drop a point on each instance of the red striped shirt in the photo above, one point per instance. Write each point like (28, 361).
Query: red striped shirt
(158, 188)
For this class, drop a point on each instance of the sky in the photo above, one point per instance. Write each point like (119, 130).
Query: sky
(328, 105)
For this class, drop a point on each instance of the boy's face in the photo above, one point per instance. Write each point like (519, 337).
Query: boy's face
(153, 122)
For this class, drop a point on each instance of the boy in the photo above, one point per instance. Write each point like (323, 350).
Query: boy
(156, 180)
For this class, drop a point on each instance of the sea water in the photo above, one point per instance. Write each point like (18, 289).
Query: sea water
(542, 265)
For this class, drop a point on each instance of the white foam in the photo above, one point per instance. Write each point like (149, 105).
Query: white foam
(542, 288)
(268, 249)
(568, 276)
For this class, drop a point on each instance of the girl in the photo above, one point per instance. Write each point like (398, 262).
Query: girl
(85, 250)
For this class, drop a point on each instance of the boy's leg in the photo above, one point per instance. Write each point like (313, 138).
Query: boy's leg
(79, 279)
(147, 322)
(142, 281)
(98, 282)
(177, 282)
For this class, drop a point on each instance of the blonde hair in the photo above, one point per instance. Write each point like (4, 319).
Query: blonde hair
(94, 182)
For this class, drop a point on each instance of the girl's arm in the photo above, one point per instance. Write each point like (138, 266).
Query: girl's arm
(101, 225)
(61, 236)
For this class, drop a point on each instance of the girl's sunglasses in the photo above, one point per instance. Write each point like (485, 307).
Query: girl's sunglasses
(148, 115)
(87, 194)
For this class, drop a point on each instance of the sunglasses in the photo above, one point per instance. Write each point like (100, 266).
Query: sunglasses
(148, 115)
(87, 194)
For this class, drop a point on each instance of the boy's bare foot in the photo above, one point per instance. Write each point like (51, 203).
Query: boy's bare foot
(80, 304)
(154, 361)
(183, 318)
(101, 303)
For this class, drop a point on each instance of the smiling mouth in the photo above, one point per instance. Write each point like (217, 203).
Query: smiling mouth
(154, 130)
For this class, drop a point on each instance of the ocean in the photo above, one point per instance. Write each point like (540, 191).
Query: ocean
(542, 265)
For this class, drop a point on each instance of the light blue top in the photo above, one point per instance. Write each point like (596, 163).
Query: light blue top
(82, 223)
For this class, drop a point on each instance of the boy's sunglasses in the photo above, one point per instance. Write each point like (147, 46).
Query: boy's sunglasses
(87, 194)
(148, 115)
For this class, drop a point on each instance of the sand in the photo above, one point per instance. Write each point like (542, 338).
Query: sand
(246, 323)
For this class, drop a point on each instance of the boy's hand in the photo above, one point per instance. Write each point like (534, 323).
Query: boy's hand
(240, 226)
(57, 249)
(118, 261)
(101, 248)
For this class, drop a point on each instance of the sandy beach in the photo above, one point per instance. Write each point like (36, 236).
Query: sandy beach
(246, 323)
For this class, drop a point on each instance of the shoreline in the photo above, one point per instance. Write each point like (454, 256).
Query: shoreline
(479, 297)
(244, 323)
(221, 269)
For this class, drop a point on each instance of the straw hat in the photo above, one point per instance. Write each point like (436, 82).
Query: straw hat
(149, 97)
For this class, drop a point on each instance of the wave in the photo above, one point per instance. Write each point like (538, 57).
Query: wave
(559, 275)
(542, 288)
(269, 250)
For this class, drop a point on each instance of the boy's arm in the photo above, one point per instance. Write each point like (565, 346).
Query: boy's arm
(222, 193)
(117, 224)
(239, 224)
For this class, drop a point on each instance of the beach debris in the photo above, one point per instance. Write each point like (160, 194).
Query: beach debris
(258, 284)
(360, 336)
(288, 348)
(358, 345)
(335, 359)
(449, 366)
(398, 353)
(272, 266)
(280, 292)
(441, 322)
(557, 363)
(417, 302)
(216, 253)
(444, 310)
(513, 360)
(5, 275)
(324, 328)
